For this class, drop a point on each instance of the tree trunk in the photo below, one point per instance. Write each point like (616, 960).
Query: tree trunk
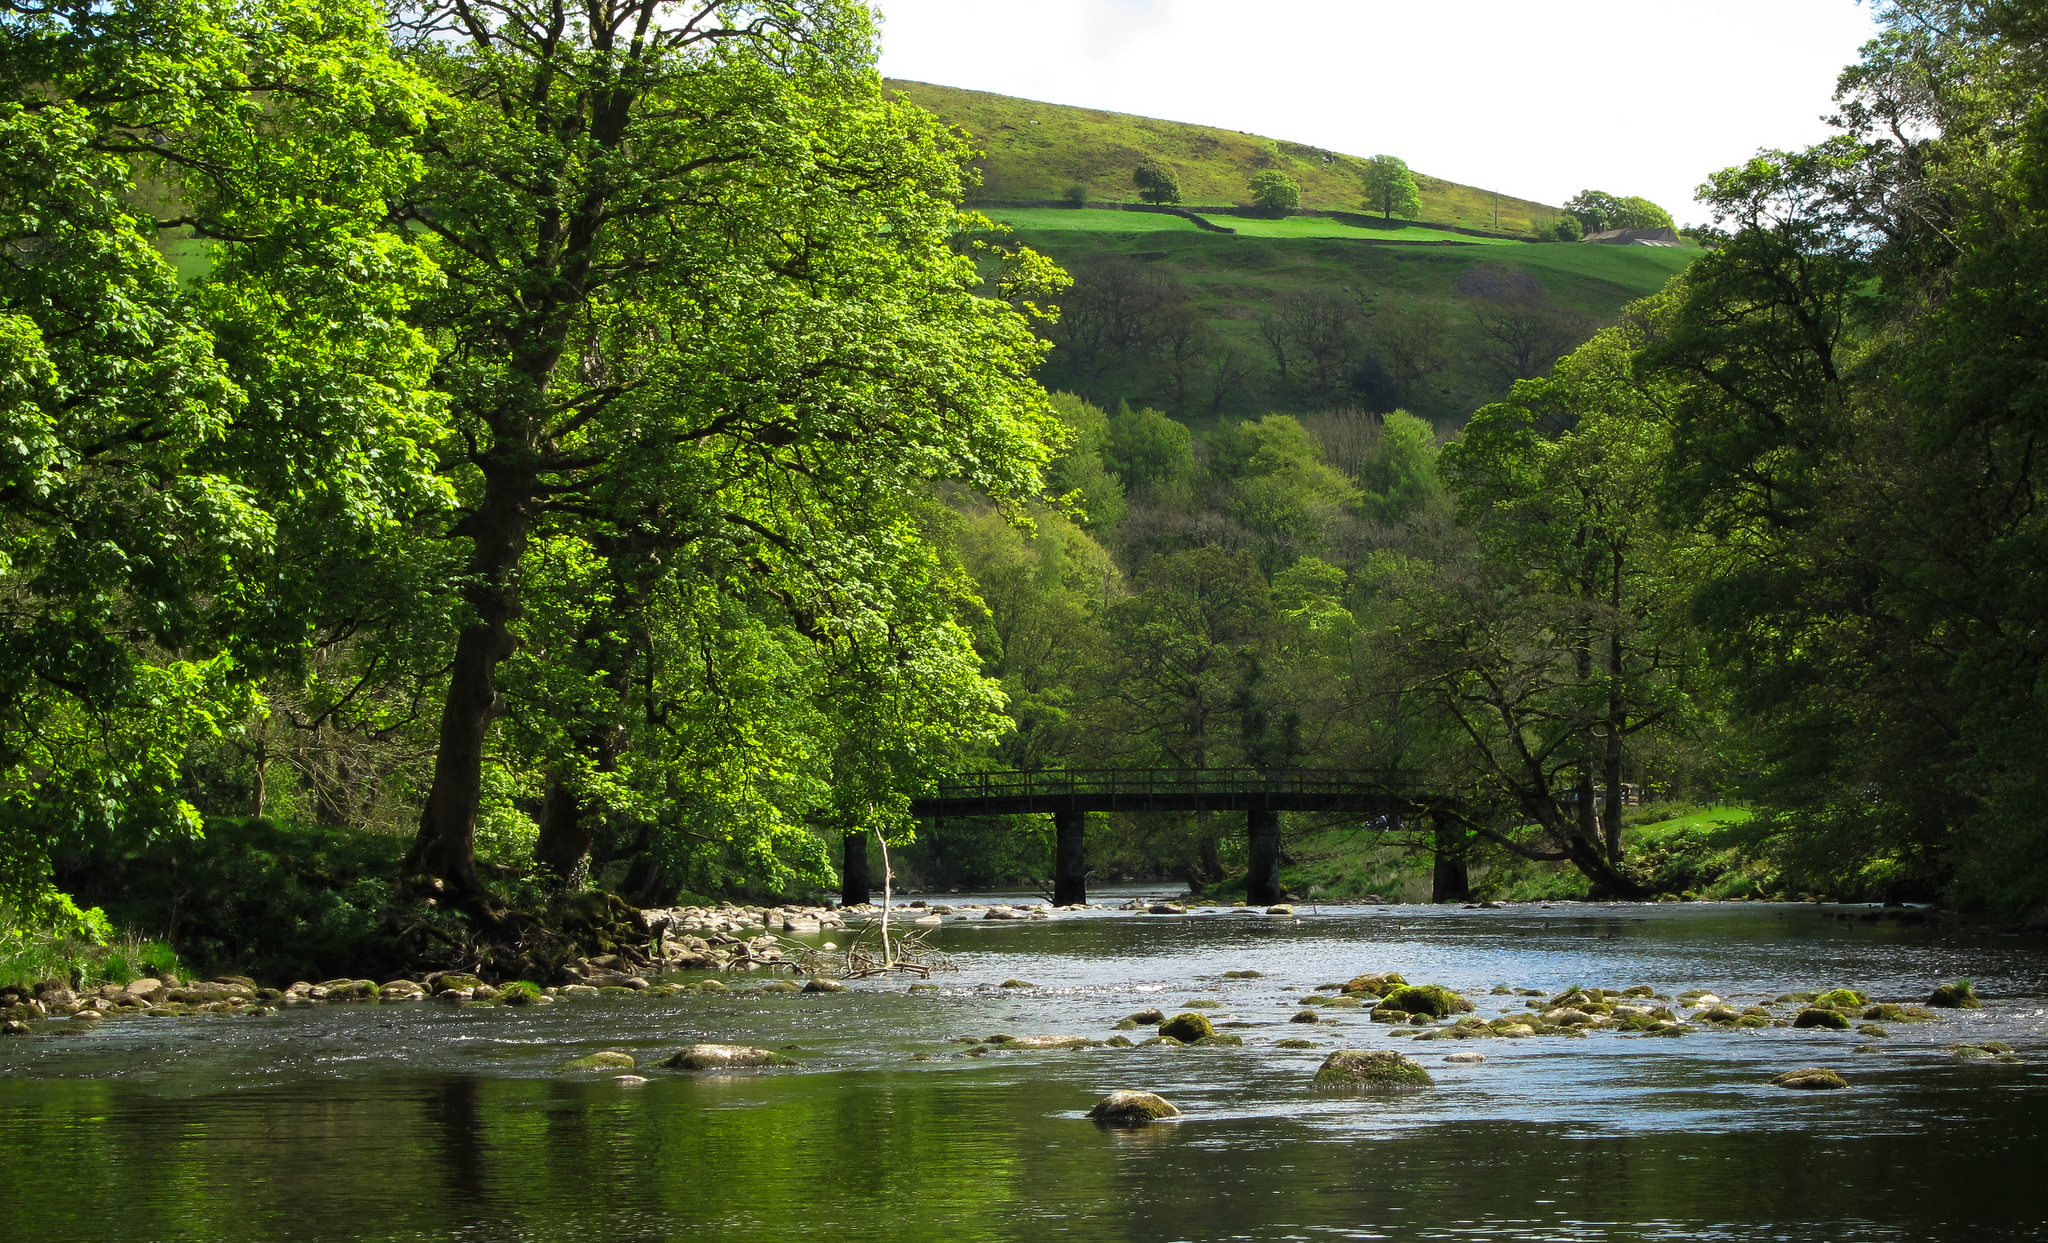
(445, 847)
(565, 831)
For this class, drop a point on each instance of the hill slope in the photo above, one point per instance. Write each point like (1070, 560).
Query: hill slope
(1036, 150)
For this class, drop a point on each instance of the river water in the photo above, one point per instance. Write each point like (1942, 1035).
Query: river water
(423, 1122)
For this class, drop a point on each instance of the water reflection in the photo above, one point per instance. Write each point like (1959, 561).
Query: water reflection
(422, 1123)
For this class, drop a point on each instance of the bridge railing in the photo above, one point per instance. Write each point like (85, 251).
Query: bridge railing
(1054, 782)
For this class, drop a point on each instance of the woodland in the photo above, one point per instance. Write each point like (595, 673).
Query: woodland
(460, 459)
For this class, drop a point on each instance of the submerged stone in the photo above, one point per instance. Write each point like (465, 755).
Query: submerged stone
(1812, 1079)
(725, 1057)
(1295, 1043)
(1382, 1069)
(610, 1059)
(1132, 1109)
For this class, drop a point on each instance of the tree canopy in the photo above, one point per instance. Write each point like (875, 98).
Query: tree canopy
(1156, 181)
(1390, 188)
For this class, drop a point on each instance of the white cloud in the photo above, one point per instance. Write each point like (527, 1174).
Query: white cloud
(1535, 100)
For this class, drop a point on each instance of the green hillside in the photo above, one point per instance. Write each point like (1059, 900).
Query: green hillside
(1036, 150)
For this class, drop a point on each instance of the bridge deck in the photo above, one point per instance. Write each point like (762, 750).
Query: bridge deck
(1170, 789)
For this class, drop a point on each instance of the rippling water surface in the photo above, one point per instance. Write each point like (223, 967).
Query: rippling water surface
(419, 1122)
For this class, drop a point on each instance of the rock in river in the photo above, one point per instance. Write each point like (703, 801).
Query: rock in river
(1132, 1109)
(1187, 1028)
(610, 1059)
(1812, 1079)
(725, 1057)
(1373, 1068)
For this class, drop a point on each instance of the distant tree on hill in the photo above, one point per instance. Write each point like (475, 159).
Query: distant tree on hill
(1390, 188)
(1567, 229)
(1156, 181)
(1597, 210)
(1641, 213)
(1076, 194)
(1274, 188)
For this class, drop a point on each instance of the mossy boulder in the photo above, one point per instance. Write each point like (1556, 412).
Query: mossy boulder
(1387, 1014)
(1204, 1003)
(1295, 1042)
(610, 1059)
(1304, 1016)
(820, 984)
(1132, 1109)
(1222, 1038)
(1814, 1016)
(1048, 1042)
(1841, 999)
(1147, 1018)
(1165, 1040)
(1811, 1079)
(725, 1057)
(1379, 1069)
(1187, 1027)
(522, 993)
(1376, 984)
(1118, 1042)
(1344, 1003)
(1015, 983)
(1960, 995)
(1431, 999)
(1244, 975)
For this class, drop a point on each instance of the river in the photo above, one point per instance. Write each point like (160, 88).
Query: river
(410, 1122)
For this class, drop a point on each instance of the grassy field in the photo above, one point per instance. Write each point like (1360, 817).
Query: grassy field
(1036, 150)
(1067, 220)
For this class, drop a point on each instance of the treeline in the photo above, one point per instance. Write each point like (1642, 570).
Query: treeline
(1137, 332)
(1777, 534)
(606, 457)
(519, 438)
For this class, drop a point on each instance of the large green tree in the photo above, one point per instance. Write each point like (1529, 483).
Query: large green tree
(1390, 188)
(189, 461)
(703, 311)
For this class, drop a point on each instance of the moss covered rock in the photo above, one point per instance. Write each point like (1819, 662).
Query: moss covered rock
(1304, 1016)
(725, 1057)
(1147, 1018)
(1812, 1079)
(1431, 999)
(522, 993)
(1381, 1069)
(1221, 1038)
(1132, 1109)
(1387, 1014)
(1841, 999)
(1961, 995)
(1293, 1042)
(1814, 1016)
(1165, 1040)
(1376, 984)
(1187, 1028)
(1118, 1042)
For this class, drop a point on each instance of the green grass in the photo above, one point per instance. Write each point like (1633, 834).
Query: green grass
(1036, 150)
(1068, 220)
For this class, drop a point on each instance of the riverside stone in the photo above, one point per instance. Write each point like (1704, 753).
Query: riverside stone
(1132, 1109)
(1812, 1079)
(725, 1057)
(1381, 1069)
(610, 1059)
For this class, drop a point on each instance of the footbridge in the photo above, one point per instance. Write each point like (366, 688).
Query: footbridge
(1068, 795)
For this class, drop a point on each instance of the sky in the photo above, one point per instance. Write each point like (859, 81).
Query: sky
(1535, 99)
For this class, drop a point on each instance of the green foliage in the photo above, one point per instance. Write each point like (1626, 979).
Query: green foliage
(1390, 188)
(1273, 188)
(188, 461)
(1156, 181)
(1597, 211)
(1567, 229)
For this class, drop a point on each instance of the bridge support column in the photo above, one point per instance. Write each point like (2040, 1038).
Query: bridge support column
(854, 881)
(1069, 858)
(1262, 882)
(1451, 881)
